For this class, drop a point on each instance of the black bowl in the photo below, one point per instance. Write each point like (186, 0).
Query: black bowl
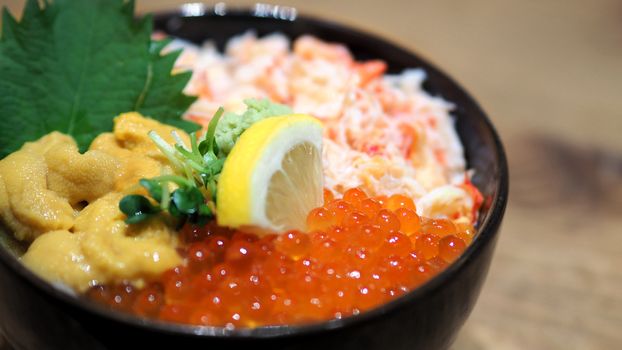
(36, 315)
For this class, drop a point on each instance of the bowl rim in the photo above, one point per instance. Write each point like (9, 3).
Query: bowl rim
(486, 233)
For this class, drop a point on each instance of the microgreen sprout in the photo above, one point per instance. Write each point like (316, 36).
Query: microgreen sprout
(196, 170)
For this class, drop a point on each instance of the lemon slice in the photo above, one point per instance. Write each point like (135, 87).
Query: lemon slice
(273, 176)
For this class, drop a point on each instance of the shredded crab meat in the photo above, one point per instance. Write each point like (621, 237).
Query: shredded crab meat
(383, 132)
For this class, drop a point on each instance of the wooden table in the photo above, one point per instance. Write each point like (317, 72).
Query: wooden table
(549, 73)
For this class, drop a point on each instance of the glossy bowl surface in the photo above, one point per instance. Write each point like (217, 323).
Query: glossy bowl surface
(36, 315)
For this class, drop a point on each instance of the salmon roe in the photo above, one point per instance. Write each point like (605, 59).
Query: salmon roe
(359, 252)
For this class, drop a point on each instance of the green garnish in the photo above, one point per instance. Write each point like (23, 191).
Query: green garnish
(139, 206)
(187, 203)
(73, 65)
(194, 198)
(233, 125)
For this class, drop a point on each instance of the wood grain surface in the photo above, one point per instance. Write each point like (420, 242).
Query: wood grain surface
(549, 73)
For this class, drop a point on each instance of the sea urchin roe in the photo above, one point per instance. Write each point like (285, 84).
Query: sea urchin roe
(359, 252)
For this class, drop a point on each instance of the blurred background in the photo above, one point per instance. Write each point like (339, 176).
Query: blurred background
(549, 74)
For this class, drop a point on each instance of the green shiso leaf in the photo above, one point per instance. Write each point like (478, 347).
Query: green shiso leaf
(73, 65)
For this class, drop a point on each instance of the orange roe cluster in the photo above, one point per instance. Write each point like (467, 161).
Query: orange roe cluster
(359, 252)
